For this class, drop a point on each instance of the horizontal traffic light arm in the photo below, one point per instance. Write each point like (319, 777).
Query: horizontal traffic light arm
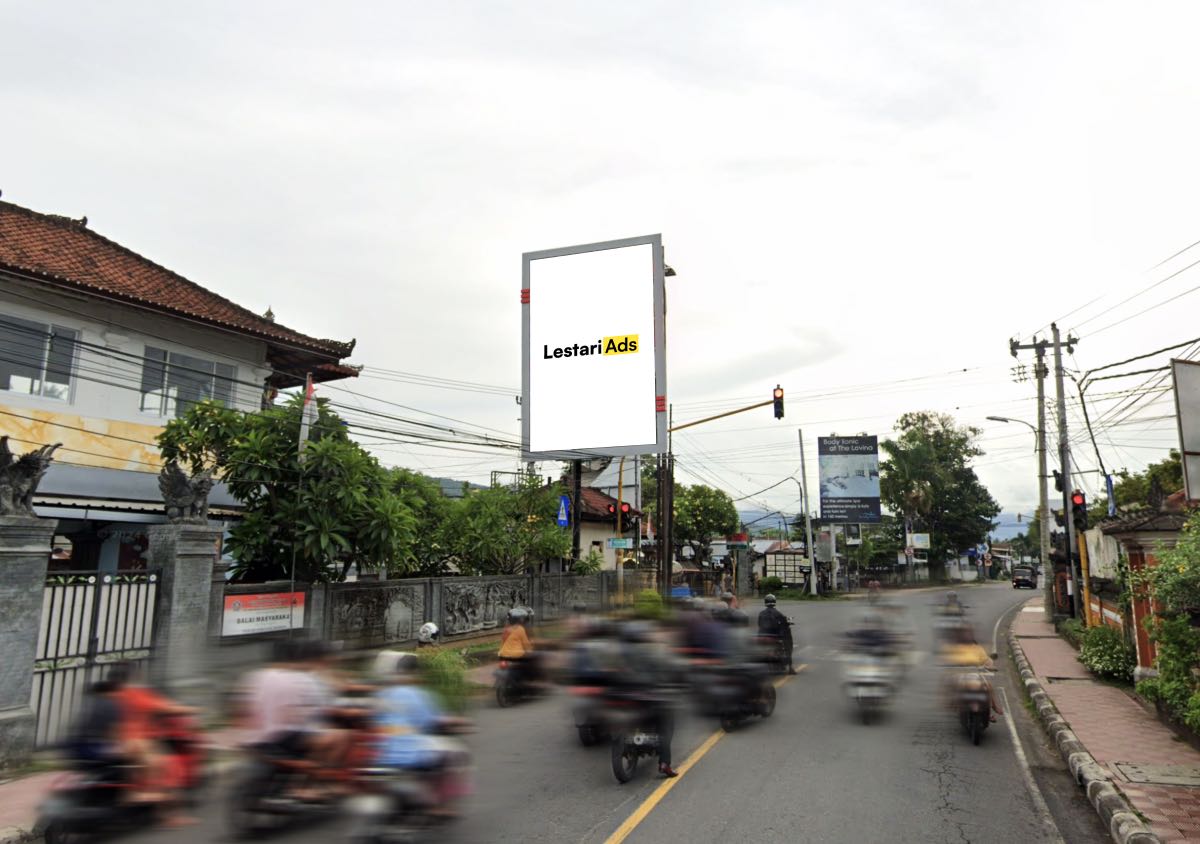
(766, 403)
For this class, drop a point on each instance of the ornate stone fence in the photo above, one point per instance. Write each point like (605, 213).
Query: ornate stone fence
(369, 614)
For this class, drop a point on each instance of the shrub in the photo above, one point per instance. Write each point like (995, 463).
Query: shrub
(590, 564)
(1105, 651)
(445, 671)
(648, 604)
(1071, 629)
(770, 584)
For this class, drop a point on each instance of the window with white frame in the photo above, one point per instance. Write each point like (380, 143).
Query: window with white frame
(172, 382)
(36, 358)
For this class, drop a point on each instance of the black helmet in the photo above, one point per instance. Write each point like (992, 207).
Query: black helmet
(769, 600)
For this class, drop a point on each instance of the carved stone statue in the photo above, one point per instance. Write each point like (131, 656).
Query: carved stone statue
(186, 498)
(20, 476)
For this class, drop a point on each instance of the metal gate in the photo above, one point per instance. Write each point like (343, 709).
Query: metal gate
(89, 620)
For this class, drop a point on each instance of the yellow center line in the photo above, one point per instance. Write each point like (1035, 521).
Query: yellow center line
(631, 823)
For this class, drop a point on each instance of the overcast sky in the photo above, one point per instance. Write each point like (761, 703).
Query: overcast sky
(863, 201)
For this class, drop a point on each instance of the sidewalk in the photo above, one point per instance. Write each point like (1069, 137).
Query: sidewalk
(1141, 757)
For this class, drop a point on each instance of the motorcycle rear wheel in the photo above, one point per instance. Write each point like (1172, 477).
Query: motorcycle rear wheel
(505, 694)
(624, 760)
(768, 699)
(977, 727)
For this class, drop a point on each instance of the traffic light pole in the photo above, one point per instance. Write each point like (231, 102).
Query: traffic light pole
(808, 541)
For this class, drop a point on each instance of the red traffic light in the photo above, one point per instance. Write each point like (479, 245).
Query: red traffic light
(1078, 499)
(625, 508)
(612, 508)
(778, 397)
(779, 392)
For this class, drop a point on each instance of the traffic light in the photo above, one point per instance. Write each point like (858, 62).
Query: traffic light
(625, 509)
(1058, 480)
(1079, 513)
(778, 396)
(1059, 518)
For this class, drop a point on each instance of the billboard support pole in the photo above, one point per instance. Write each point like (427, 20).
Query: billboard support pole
(808, 541)
(576, 505)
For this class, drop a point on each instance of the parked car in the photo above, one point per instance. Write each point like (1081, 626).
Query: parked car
(1024, 576)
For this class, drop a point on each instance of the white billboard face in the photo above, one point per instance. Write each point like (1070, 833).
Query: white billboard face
(593, 370)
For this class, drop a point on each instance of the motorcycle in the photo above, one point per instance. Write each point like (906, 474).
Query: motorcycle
(869, 682)
(634, 734)
(266, 794)
(95, 798)
(735, 693)
(403, 804)
(515, 683)
(974, 704)
(775, 650)
(589, 710)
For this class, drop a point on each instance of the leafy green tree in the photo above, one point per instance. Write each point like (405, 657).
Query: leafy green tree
(322, 517)
(927, 477)
(507, 531)
(432, 550)
(701, 515)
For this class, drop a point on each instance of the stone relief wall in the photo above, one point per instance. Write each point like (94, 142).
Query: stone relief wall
(363, 615)
(480, 603)
(366, 614)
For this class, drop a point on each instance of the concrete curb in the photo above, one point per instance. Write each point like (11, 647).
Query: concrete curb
(1110, 804)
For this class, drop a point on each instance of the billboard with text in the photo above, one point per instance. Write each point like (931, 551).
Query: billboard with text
(849, 469)
(594, 360)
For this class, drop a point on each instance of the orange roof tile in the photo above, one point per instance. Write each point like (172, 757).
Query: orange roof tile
(64, 252)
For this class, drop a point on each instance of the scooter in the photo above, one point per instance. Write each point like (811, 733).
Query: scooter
(515, 683)
(869, 682)
(265, 793)
(974, 704)
(775, 650)
(94, 800)
(95, 797)
(404, 805)
(736, 693)
(589, 711)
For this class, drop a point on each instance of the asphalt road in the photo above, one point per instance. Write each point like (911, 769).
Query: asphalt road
(812, 772)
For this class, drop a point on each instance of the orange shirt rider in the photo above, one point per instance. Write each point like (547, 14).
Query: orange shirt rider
(514, 642)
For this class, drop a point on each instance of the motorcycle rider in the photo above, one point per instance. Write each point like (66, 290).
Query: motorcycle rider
(645, 670)
(771, 622)
(965, 653)
(517, 647)
(410, 720)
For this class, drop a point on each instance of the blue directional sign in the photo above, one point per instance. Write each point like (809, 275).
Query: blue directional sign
(564, 507)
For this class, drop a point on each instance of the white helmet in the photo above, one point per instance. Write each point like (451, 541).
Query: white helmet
(428, 634)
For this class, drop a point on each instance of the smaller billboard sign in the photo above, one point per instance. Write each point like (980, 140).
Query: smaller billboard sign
(262, 613)
(918, 540)
(620, 542)
(849, 472)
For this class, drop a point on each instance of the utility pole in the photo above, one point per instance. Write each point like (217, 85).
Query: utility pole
(1064, 449)
(576, 505)
(1040, 372)
(808, 540)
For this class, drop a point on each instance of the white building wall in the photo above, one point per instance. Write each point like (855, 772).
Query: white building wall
(107, 379)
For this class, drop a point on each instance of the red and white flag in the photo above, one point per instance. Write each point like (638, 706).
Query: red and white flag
(308, 415)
